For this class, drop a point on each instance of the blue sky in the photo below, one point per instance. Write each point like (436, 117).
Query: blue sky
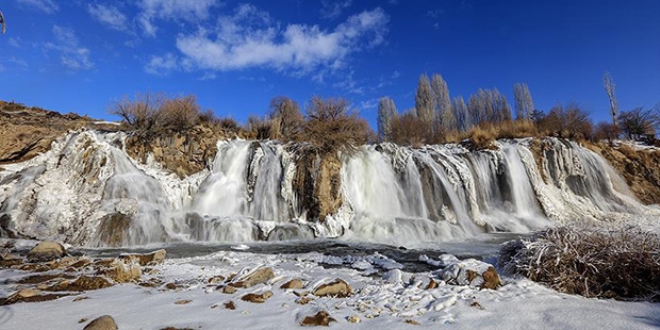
(79, 56)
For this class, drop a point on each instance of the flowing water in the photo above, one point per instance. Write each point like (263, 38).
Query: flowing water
(393, 195)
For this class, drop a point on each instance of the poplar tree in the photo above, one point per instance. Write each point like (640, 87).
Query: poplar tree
(610, 87)
(424, 102)
(442, 103)
(523, 101)
(386, 115)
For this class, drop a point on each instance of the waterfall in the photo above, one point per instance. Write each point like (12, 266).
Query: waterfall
(86, 190)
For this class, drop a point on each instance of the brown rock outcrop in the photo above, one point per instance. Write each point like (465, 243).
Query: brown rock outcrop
(640, 169)
(183, 153)
(105, 322)
(317, 183)
(337, 288)
(321, 318)
(46, 251)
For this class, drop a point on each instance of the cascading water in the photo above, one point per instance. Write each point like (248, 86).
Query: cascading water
(392, 194)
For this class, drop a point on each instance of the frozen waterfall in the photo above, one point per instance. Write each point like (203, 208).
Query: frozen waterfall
(86, 190)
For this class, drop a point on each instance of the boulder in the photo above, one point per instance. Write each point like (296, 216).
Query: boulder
(321, 318)
(82, 283)
(471, 272)
(146, 259)
(337, 288)
(293, 284)
(121, 273)
(257, 298)
(258, 276)
(46, 251)
(105, 322)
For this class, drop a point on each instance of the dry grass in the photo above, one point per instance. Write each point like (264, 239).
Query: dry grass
(592, 262)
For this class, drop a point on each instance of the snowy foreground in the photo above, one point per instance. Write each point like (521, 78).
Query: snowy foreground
(384, 298)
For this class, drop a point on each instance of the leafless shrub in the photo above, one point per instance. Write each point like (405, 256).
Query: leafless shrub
(258, 128)
(178, 114)
(593, 262)
(330, 126)
(606, 131)
(408, 129)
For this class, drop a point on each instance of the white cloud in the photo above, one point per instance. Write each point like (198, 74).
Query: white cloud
(72, 55)
(250, 39)
(47, 6)
(207, 76)
(369, 104)
(395, 74)
(162, 65)
(108, 15)
(15, 42)
(189, 10)
(18, 62)
(332, 8)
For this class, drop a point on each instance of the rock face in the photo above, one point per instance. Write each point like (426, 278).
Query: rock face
(105, 322)
(27, 132)
(317, 183)
(113, 230)
(638, 167)
(46, 251)
(182, 153)
(337, 288)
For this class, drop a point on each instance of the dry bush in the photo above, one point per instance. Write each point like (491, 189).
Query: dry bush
(567, 122)
(606, 131)
(258, 128)
(228, 124)
(330, 127)
(482, 137)
(408, 129)
(593, 262)
(151, 114)
(178, 114)
(287, 120)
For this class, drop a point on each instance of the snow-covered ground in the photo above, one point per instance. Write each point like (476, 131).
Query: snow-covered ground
(382, 299)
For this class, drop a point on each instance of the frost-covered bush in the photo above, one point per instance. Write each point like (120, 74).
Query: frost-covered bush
(593, 262)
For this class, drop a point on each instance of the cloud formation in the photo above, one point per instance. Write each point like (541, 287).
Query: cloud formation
(72, 55)
(249, 38)
(109, 16)
(332, 8)
(46, 6)
(188, 10)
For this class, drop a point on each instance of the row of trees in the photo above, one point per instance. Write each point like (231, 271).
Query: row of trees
(436, 118)
(328, 124)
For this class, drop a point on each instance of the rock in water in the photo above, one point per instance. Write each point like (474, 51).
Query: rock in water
(46, 251)
(338, 288)
(105, 322)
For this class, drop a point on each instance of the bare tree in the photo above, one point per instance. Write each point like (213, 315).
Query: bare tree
(424, 101)
(523, 101)
(386, 114)
(2, 23)
(286, 118)
(442, 103)
(610, 89)
(460, 113)
(331, 126)
(637, 124)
